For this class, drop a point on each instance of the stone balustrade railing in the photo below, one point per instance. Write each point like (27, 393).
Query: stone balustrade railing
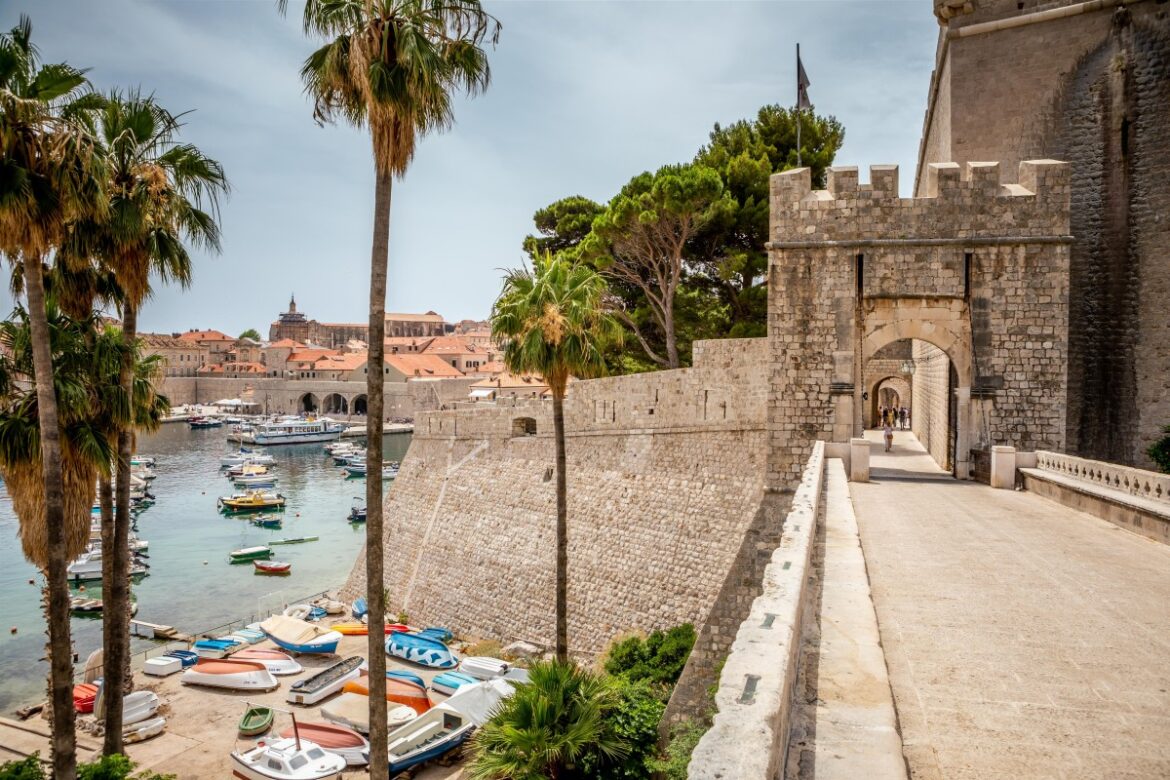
(749, 737)
(1136, 482)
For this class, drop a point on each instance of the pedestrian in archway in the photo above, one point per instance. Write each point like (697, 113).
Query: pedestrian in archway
(902, 418)
(888, 434)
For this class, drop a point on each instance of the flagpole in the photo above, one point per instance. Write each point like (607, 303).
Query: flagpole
(798, 165)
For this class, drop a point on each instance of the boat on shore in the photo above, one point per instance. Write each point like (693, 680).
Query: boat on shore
(300, 636)
(338, 740)
(256, 720)
(273, 568)
(215, 648)
(251, 501)
(421, 650)
(231, 674)
(449, 682)
(143, 730)
(287, 759)
(398, 690)
(363, 629)
(352, 710)
(484, 668)
(445, 726)
(276, 662)
(325, 683)
(84, 696)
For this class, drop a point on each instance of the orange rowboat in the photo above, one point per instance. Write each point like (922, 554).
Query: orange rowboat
(397, 690)
(361, 629)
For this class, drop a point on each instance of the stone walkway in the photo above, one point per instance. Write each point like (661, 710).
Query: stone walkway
(1023, 639)
(843, 724)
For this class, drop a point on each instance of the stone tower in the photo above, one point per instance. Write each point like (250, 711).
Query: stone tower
(975, 271)
(1086, 82)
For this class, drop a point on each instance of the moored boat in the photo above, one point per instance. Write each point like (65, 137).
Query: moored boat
(257, 482)
(278, 568)
(339, 740)
(245, 554)
(300, 636)
(264, 521)
(198, 423)
(256, 720)
(251, 501)
(230, 674)
(325, 683)
(449, 682)
(295, 540)
(296, 431)
(287, 759)
(400, 691)
(420, 650)
(274, 661)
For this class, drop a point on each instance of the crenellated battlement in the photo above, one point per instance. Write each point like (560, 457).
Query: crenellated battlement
(960, 204)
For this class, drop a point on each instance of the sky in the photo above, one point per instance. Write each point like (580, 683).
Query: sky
(584, 95)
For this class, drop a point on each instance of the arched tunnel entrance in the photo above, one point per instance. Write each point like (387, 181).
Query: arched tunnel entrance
(308, 403)
(359, 404)
(335, 403)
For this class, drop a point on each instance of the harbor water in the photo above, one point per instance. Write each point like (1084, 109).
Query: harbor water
(190, 584)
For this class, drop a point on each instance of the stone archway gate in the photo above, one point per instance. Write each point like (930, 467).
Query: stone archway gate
(977, 268)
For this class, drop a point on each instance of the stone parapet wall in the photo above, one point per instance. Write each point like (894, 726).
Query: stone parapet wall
(1136, 482)
(748, 738)
(661, 500)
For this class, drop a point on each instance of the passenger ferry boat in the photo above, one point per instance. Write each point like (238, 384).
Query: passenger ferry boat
(297, 431)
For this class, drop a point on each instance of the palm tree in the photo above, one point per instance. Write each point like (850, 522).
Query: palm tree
(163, 195)
(551, 322)
(391, 66)
(548, 726)
(48, 177)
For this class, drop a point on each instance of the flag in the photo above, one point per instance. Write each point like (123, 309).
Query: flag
(802, 83)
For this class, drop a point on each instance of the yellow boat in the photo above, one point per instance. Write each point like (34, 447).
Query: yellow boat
(252, 501)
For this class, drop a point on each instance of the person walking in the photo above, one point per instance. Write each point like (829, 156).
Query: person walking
(888, 434)
(902, 418)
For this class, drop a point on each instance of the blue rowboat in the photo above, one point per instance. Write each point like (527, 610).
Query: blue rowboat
(444, 635)
(449, 682)
(186, 657)
(214, 648)
(403, 674)
(359, 608)
(421, 650)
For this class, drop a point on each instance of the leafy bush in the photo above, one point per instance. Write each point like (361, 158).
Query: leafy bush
(550, 726)
(116, 767)
(488, 647)
(635, 721)
(28, 769)
(1159, 451)
(683, 739)
(659, 658)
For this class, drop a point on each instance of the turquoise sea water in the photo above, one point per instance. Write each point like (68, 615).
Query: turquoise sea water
(191, 586)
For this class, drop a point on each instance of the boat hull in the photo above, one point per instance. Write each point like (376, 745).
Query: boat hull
(144, 730)
(338, 740)
(449, 682)
(276, 662)
(252, 765)
(420, 650)
(325, 683)
(232, 675)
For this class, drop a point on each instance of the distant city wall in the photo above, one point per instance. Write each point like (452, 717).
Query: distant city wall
(403, 399)
(665, 483)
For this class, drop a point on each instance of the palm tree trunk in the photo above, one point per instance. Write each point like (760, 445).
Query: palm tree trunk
(64, 740)
(375, 379)
(116, 589)
(562, 529)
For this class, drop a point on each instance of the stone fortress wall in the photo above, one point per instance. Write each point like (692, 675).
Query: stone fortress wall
(1087, 83)
(665, 484)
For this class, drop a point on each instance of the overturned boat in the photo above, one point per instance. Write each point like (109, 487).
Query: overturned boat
(326, 682)
(231, 674)
(420, 649)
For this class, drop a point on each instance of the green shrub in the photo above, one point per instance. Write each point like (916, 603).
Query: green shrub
(635, 721)
(659, 658)
(1159, 451)
(27, 769)
(115, 767)
(683, 739)
(549, 726)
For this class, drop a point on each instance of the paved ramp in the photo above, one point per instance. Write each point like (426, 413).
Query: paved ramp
(1023, 639)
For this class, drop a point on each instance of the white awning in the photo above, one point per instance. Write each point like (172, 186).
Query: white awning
(482, 393)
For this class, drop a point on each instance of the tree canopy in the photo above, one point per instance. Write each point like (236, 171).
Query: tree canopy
(251, 333)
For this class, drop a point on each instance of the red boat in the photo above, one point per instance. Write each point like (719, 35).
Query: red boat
(84, 695)
(272, 567)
